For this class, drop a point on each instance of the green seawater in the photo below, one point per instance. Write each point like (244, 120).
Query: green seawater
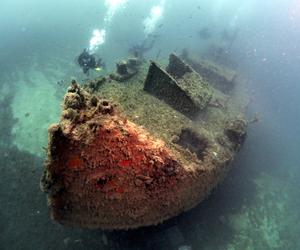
(255, 207)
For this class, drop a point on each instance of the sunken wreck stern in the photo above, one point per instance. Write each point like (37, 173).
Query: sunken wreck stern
(137, 151)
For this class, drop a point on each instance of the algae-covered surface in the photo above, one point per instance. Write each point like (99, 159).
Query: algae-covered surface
(143, 108)
(159, 118)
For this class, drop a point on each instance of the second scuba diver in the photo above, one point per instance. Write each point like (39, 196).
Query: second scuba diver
(88, 61)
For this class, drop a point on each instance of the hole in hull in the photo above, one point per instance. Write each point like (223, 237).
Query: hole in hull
(192, 141)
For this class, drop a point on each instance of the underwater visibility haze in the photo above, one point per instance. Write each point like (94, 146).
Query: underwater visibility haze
(111, 51)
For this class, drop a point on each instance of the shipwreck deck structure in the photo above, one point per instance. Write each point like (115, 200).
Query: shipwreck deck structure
(137, 149)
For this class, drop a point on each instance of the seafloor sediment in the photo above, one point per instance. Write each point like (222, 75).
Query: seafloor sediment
(125, 155)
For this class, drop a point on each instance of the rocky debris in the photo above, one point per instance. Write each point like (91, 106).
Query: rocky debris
(218, 76)
(181, 87)
(126, 69)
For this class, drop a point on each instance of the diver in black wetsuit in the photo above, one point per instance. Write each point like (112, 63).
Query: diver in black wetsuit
(88, 61)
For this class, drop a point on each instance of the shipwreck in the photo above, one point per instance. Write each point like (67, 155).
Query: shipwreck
(142, 145)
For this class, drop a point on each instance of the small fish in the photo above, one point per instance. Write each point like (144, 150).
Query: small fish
(60, 82)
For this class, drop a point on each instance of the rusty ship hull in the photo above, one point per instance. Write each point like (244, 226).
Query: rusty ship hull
(139, 151)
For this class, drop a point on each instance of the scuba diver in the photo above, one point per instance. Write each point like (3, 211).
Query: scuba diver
(88, 61)
(138, 50)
